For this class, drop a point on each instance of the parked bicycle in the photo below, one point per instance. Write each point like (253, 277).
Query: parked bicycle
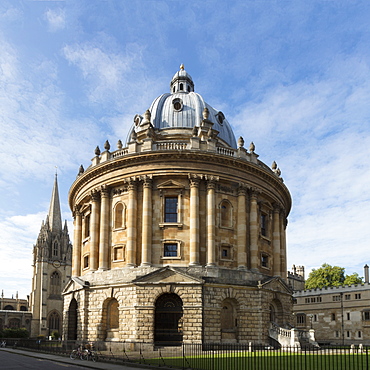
(90, 355)
(78, 353)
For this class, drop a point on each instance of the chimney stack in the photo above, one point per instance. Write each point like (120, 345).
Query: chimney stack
(366, 271)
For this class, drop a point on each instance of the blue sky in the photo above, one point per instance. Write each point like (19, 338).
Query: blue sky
(291, 76)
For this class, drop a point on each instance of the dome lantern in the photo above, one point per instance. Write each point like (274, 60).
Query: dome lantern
(182, 82)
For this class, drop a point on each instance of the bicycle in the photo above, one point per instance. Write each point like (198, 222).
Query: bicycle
(90, 355)
(77, 353)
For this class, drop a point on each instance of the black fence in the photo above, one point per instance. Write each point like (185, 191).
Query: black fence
(216, 356)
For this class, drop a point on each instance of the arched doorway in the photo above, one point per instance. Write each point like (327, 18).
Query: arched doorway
(168, 320)
(72, 320)
(276, 312)
(229, 321)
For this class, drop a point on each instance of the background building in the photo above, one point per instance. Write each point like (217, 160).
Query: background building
(339, 315)
(14, 313)
(179, 234)
(52, 261)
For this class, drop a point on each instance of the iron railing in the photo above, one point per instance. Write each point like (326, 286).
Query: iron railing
(215, 356)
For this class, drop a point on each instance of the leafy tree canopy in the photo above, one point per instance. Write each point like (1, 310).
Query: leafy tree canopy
(331, 276)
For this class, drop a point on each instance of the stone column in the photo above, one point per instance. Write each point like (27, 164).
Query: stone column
(94, 231)
(77, 240)
(242, 228)
(254, 229)
(283, 224)
(104, 229)
(211, 223)
(131, 223)
(276, 240)
(194, 220)
(146, 251)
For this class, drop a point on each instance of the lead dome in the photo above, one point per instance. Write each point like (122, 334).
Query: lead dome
(183, 108)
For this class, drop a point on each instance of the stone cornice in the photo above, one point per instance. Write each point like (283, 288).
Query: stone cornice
(186, 156)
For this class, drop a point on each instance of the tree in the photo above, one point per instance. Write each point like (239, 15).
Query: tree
(330, 276)
(353, 279)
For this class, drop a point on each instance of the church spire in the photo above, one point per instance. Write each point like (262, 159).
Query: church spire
(55, 217)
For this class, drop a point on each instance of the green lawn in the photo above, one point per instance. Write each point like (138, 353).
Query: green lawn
(269, 361)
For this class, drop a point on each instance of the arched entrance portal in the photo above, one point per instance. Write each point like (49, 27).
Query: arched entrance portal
(72, 320)
(168, 320)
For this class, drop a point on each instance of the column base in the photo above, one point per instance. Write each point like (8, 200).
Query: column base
(146, 264)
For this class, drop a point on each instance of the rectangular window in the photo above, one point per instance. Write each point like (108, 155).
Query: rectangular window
(313, 300)
(333, 317)
(118, 254)
(366, 315)
(347, 297)
(170, 250)
(318, 299)
(358, 296)
(170, 209)
(263, 225)
(87, 226)
(359, 334)
(336, 298)
(348, 334)
(86, 262)
(307, 300)
(265, 260)
(348, 316)
(336, 334)
(315, 317)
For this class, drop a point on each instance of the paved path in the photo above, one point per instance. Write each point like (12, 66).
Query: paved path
(76, 362)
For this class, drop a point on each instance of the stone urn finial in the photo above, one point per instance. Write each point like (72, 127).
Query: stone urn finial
(81, 170)
(240, 142)
(106, 145)
(205, 113)
(274, 165)
(133, 135)
(97, 150)
(119, 144)
(252, 147)
(147, 115)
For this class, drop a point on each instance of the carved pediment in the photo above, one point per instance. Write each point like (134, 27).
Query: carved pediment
(167, 275)
(75, 284)
(276, 284)
(170, 184)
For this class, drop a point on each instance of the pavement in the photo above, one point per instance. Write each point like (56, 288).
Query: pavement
(77, 362)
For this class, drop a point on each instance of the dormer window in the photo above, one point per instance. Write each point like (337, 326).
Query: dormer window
(177, 104)
(220, 118)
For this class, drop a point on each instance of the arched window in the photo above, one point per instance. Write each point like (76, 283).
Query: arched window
(226, 215)
(119, 215)
(54, 322)
(181, 87)
(55, 283)
(24, 308)
(14, 323)
(113, 314)
(9, 308)
(55, 248)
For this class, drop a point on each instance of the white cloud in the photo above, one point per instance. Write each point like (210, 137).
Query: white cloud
(18, 235)
(56, 19)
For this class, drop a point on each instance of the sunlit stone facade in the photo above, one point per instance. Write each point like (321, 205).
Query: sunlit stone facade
(180, 234)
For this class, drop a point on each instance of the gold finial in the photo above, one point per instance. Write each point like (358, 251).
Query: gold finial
(182, 67)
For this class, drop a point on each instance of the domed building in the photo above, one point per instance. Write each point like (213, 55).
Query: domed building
(179, 233)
